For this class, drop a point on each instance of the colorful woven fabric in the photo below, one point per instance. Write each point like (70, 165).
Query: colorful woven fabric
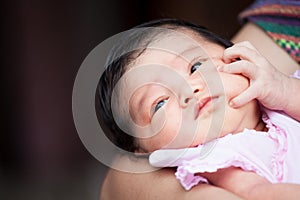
(280, 20)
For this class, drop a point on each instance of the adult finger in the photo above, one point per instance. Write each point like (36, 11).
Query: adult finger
(241, 52)
(244, 98)
(243, 67)
(246, 44)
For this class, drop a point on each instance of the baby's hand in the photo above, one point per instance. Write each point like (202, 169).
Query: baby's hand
(267, 84)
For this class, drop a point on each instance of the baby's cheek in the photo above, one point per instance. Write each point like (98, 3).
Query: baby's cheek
(235, 85)
(242, 83)
(164, 126)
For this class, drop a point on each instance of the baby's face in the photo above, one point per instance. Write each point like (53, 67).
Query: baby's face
(175, 97)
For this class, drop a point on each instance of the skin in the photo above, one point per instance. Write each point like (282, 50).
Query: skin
(122, 185)
(256, 187)
(270, 82)
(160, 184)
(176, 87)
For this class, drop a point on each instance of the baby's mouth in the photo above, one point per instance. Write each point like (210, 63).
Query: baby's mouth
(201, 105)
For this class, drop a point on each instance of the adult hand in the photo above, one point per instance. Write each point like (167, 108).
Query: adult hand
(266, 83)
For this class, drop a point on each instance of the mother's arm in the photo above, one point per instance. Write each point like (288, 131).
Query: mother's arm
(267, 47)
(160, 184)
(281, 61)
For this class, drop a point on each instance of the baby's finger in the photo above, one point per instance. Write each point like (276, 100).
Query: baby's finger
(243, 67)
(244, 98)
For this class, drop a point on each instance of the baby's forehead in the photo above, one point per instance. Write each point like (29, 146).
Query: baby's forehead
(173, 47)
(166, 56)
(176, 41)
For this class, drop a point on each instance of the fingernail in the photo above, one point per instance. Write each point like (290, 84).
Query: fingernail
(219, 68)
(231, 104)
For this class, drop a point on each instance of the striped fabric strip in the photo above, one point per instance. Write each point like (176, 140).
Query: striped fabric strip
(279, 28)
(280, 10)
(280, 19)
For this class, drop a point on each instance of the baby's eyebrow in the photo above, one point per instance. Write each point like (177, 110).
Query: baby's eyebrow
(190, 53)
(140, 101)
(185, 52)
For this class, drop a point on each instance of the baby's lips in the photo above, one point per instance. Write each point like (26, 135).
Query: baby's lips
(201, 104)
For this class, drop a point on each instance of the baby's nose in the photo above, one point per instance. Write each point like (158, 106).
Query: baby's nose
(197, 83)
(189, 92)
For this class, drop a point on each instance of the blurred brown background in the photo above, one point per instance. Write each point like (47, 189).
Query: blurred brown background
(44, 43)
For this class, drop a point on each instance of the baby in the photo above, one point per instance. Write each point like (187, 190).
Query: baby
(162, 90)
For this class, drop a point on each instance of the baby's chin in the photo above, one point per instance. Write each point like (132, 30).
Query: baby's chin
(211, 138)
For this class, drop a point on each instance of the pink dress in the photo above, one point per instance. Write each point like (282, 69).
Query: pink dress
(274, 155)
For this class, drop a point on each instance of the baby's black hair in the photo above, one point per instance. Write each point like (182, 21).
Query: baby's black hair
(126, 51)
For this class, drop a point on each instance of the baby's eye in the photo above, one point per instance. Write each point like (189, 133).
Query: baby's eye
(160, 104)
(195, 67)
